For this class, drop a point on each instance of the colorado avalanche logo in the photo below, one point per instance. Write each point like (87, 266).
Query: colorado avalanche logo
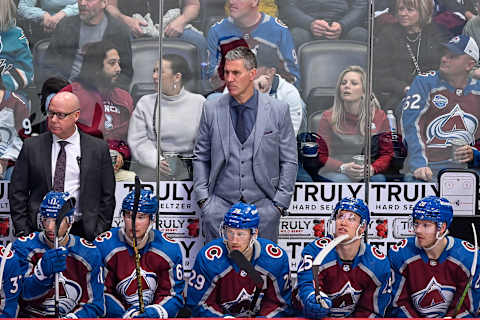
(213, 252)
(323, 242)
(273, 251)
(454, 125)
(344, 301)
(240, 306)
(127, 288)
(70, 294)
(434, 300)
(87, 243)
(440, 101)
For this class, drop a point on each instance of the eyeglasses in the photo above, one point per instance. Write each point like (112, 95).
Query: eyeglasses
(60, 115)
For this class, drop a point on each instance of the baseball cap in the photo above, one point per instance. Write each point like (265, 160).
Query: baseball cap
(463, 44)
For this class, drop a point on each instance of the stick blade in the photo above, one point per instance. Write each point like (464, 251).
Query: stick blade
(329, 247)
(67, 206)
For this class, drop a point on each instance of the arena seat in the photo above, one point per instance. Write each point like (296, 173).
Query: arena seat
(145, 52)
(38, 53)
(321, 61)
(210, 12)
(140, 89)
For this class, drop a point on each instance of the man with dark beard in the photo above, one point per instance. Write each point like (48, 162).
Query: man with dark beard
(105, 108)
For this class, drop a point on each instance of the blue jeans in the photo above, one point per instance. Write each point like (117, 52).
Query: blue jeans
(198, 40)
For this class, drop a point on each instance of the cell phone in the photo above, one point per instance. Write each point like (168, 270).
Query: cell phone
(460, 187)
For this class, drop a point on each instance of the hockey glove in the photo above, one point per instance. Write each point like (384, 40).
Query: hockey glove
(53, 261)
(314, 309)
(131, 312)
(153, 311)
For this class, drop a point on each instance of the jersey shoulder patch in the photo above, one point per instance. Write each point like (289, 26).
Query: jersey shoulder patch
(104, 236)
(87, 243)
(377, 253)
(281, 23)
(273, 251)
(322, 242)
(31, 236)
(468, 246)
(2, 252)
(167, 238)
(213, 252)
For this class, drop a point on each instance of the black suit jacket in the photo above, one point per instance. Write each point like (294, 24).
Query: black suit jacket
(32, 179)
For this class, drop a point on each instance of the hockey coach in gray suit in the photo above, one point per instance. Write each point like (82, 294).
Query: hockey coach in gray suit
(245, 151)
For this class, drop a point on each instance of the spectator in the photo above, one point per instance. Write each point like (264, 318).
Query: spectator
(17, 66)
(342, 132)
(325, 19)
(51, 85)
(262, 33)
(45, 164)
(42, 16)
(266, 6)
(13, 117)
(454, 14)
(245, 150)
(66, 51)
(178, 27)
(105, 108)
(180, 112)
(405, 49)
(440, 107)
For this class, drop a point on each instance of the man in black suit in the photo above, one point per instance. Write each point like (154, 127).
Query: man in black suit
(64, 159)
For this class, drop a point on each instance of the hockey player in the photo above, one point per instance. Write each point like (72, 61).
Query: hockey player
(160, 264)
(219, 288)
(76, 260)
(353, 278)
(11, 280)
(432, 270)
(441, 107)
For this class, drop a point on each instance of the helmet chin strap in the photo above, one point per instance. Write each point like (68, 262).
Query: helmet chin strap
(439, 238)
(60, 240)
(141, 242)
(356, 237)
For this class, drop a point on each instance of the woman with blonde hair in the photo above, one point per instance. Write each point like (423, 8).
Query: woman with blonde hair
(342, 132)
(17, 64)
(405, 49)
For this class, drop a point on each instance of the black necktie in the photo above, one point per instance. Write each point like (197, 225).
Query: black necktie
(59, 178)
(241, 128)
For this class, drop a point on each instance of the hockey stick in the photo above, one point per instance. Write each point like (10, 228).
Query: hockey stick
(318, 261)
(67, 206)
(472, 273)
(136, 199)
(253, 274)
(5, 254)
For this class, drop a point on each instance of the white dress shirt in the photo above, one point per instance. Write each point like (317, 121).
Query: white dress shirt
(72, 170)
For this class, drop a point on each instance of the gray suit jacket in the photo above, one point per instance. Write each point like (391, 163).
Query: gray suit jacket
(275, 148)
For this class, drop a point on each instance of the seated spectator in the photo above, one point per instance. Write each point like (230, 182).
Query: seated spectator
(17, 66)
(105, 108)
(405, 49)
(178, 25)
(314, 20)
(454, 14)
(441, 109)
(262, 33)
(266, 6)
(180, 112)
(42, 16)
(13, 114)
(342, 132)
(51, 85)
(66, 51)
